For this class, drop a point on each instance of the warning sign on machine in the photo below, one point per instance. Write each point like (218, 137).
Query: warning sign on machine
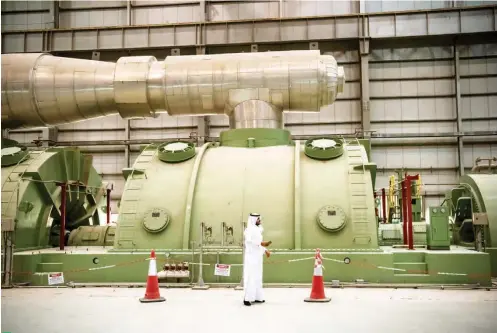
(55, 278)
(222, 270)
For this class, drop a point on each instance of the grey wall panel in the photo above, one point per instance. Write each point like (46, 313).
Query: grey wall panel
(411, 70)
(164, 15)
(480, 125)
(25, 137)
(26, 21)
(66, 136)
(406, 54)
(215, 132)
(479, 107)
(164, 120)
(25, 15)
(93, 18)
(14, 44)
(219, 120)
(340, 111)
(386, 6)
(299, 8)
(323, 129)
(90, 4)
(479, 66)
(415, 157)
(109, 162)
(243, 10)
(415, 88)
(472, 152)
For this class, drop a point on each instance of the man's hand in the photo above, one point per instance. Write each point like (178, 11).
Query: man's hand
(265, 244)
(268, 254)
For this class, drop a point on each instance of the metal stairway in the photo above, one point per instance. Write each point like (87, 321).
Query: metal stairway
(134, 184)
(358, 192)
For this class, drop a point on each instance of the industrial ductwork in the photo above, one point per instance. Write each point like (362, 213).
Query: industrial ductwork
(43, 90)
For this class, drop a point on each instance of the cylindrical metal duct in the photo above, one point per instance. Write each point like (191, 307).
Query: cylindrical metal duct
(256, 114)
(40, 89)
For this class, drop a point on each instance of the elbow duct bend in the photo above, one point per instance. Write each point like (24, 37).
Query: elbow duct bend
(43, 90)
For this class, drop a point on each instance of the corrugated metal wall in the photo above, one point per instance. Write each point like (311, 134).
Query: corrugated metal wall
(22, 15)
(412, 90)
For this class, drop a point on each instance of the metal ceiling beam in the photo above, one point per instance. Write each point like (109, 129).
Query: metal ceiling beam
(466, 25)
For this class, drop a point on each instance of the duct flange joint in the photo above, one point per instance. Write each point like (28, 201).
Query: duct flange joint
(131, 86)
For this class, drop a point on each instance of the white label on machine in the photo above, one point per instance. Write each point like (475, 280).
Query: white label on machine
(55, 278)
(222, 270)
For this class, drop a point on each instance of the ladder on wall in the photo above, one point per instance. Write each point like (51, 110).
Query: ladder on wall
(358, 192)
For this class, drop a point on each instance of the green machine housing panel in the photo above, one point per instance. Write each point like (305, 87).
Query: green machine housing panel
(437, 228)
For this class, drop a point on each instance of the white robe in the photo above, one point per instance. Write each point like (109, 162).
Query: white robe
(253, 262)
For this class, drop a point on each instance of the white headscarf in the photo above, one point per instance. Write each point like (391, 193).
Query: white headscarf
(252, 219)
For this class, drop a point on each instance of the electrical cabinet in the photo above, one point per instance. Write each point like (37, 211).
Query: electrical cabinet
(437, 228)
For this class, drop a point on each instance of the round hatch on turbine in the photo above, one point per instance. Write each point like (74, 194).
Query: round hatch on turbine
(324, 148)
(175, 152)
(12, 155)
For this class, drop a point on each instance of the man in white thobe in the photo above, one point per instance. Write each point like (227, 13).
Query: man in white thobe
(255, 247)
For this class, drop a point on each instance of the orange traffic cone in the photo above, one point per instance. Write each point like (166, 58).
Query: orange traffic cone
(317, 292)
(152, 293)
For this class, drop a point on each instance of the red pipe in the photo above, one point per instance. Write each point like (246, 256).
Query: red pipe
(404, 213)
(62, 237)
(409, 213)
(384, 205)
(108, 205)
(409, 180)
(375, 195)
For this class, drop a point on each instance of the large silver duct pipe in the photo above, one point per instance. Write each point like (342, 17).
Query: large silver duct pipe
(43, 90)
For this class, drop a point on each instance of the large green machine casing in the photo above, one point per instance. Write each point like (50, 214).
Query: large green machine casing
(223, 185)
(482, 189)
(31, 196)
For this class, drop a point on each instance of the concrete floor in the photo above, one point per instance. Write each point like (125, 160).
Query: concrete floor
(84, 310)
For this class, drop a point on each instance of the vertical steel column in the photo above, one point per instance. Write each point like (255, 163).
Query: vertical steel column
(203, 122)
(404, 211)
(127, 122)
(384, 205)
(108, 205)
(365, 110)
(460, 139)
(63, 193)
(54, 13)
(128, 12)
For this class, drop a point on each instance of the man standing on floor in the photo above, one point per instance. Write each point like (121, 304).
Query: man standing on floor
(255, 247)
